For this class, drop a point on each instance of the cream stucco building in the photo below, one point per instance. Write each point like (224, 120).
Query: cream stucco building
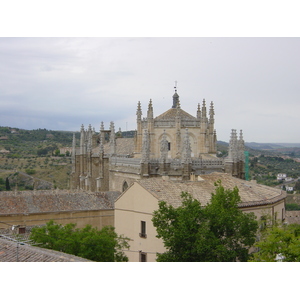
(134, 208)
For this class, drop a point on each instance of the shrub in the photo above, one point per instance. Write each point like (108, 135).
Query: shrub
(30, 171)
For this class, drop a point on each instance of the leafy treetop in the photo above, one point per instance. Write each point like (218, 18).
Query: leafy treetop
(217, 232)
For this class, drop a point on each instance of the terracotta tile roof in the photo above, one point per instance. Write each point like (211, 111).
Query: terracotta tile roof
(12, 252)
(52, 201)
(171, 114)
(251, 193)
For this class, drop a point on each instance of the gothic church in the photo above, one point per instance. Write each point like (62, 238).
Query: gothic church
(173, 145)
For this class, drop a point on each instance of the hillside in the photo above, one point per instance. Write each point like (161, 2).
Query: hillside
(292, 149)
(35, 153)
(32, 158)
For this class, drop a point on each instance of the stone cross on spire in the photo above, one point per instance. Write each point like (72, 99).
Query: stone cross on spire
(175, 97)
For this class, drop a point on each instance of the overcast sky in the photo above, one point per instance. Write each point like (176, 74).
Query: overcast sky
(61, 83)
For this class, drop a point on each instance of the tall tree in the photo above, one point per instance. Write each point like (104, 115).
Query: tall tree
(7, 185)
(217, 232)
(278, 241)
(98, 245)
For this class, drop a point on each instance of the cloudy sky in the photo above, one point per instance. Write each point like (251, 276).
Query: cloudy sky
(61, 83)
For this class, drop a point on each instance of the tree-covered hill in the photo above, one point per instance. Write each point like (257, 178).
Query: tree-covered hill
(20, 142)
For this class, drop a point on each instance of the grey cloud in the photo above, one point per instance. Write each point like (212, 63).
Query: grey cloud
(253, 82)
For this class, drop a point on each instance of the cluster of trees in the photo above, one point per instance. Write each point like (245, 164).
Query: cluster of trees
(217, 232)
(97, 245)
(34, 142)
(4, 184)
(221, 232)
(265, 168)
(278, 242)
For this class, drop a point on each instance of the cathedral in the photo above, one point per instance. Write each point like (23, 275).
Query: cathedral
(174, 145)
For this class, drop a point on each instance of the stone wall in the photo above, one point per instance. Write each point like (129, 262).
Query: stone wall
(31, 208)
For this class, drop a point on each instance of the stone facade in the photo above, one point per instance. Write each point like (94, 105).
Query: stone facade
(174, 144)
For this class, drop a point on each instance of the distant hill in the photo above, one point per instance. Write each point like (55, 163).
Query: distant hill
(271, 146)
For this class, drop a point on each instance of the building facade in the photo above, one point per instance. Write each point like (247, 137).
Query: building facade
(174, 144)
(22, 210)
(134, 208)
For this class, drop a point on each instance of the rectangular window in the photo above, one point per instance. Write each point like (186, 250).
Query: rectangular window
(22, 230)
(143, 257)
(143, 229)
(169, 146)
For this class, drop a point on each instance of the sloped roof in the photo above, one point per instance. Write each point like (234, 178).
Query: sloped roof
(26, 253)
(171, 114)
(26, 202)
(124, 146)
(251, 193)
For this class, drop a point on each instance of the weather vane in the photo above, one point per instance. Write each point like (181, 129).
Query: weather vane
(175, 87)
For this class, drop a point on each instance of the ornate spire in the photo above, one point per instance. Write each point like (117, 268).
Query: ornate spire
(175, 97)
(186, 149)
(102, 126)
(145, 147)
(211, 111)
(101, 147)
(241, 147)
(112, 140)
(139, 111)
(89, 144)
(233, 147)
(198, 112)
(150, 110)
(204, 110)
(82, 140)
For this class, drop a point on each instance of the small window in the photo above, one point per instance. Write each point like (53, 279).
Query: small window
(143, 229)
(169, 146)
(143, 257)
(22, 230)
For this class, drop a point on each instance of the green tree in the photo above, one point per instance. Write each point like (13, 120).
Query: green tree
(277, 240)
(57, 152)
(217, 232)
(7, 185)
(97, 245)
(297, 186)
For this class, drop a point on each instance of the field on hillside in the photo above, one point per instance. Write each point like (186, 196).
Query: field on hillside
(29, 156)
(55, 170)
